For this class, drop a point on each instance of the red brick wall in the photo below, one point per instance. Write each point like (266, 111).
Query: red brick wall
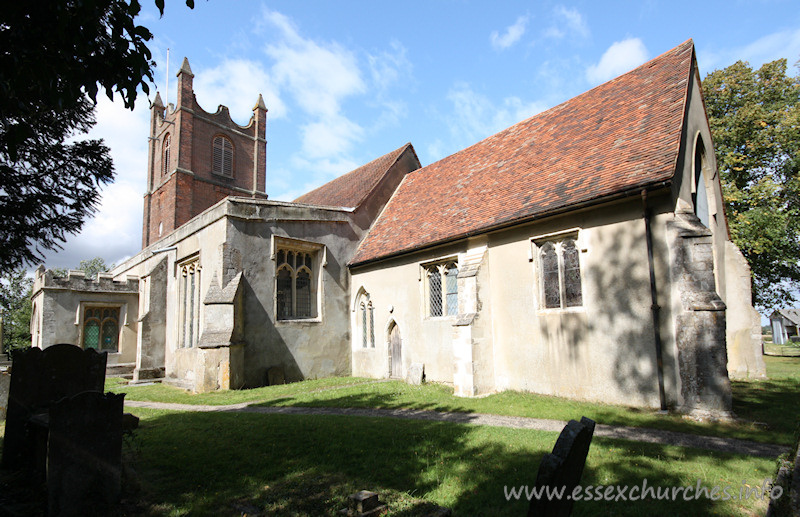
(178, 196)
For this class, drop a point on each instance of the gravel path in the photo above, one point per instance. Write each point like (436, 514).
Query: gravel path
(638, 434)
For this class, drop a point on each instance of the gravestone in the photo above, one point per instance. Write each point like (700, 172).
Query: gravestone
(563, 468)
(84, 454)
(38, 379)
(415, 374)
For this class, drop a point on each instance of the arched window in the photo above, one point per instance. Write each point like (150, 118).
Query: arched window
(190, 303)
(552, 294)
(101, 328)
(366, 320)
(572, 274)
(699, 188)
(165, 154)
(560, 274)
(295, 296)
(222, 159)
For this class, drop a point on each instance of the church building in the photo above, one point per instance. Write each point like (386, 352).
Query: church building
(583, 253)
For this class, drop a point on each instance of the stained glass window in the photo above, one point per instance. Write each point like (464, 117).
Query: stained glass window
(101, 328)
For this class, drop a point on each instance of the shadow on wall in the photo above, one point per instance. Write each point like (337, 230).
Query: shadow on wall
(264, 346)
(621, 312)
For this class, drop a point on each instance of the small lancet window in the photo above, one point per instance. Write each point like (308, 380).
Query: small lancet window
(165, 154)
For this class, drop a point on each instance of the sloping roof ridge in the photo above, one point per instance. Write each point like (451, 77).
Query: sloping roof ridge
(397, 154)
(792, 315)
(672, 72)
(572, 100)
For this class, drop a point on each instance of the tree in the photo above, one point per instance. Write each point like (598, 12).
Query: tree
(89, 267)
(755, 121)
(54, 57)
(15, 309)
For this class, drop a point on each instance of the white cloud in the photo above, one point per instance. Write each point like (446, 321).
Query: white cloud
(236, 83)
(115, 230)
(331, 136)
(511, 36)
(475, 116)
(567, 21)
(318, 76)
(782, 44)
(621, 57)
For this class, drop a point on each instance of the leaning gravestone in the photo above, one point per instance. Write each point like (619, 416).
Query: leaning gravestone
(84, 454)
(563, 468)
(416, 373)
(38, 379)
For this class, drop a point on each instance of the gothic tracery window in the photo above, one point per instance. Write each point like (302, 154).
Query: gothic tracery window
(101, 328)
(189, 285)
(560, 274)
(295, 289)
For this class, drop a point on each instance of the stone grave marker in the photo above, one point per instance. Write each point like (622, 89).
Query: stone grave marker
(563, 468)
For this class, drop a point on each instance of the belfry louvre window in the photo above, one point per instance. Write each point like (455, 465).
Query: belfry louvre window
(222, 159)
(165, 154)
(560, 274)
(101, 328)
(442, 289)
(295, 286)
(189, 284)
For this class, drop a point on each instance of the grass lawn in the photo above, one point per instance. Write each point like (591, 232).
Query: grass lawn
(761, 405)
(230, 463)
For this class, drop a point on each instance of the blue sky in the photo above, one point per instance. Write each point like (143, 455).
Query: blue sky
(346, 82)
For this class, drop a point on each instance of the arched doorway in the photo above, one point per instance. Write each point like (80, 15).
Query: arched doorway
(395, 352)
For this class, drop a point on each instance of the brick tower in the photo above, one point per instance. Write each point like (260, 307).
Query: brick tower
(198, 158)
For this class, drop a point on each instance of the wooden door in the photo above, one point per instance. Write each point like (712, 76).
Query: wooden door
(395, 346)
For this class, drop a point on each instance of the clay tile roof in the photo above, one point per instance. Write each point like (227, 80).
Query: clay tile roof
(621, 135)
(350, 189)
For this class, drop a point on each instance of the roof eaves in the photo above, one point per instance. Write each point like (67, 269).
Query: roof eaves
(651, 186)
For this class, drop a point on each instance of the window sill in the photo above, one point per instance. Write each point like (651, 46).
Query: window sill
(299, 320)
(562, 310)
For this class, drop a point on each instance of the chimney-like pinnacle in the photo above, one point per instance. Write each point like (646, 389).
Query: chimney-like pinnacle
(260, 104)
(185, 68)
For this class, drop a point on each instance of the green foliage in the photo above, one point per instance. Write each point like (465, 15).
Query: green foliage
(89, 267)
(15, 307)
(55, 57)
(755, 121)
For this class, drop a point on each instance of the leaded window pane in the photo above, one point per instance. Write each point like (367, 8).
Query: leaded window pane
(552, 295)
(451, 276)
(281, 258)
(363, 326)
(303, 294)
(110, 335)
(283, 295)
(572, 275)
(91, 334)
(435, 291)
(371, 326)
